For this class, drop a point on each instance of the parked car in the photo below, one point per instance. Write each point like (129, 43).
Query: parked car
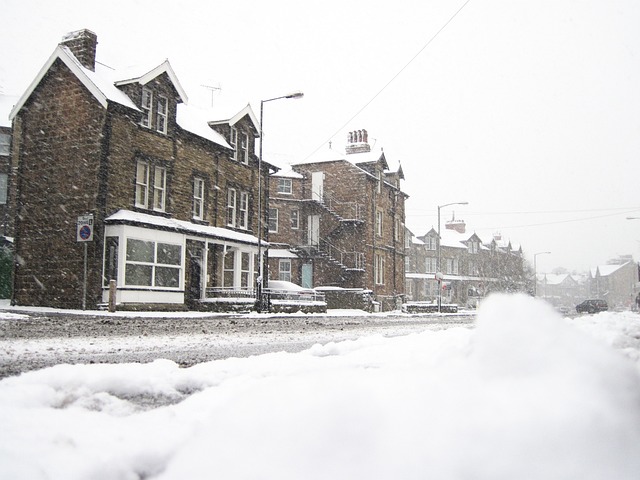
(592, 306)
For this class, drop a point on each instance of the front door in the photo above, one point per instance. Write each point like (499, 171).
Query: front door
(194, 291)
(307, 275)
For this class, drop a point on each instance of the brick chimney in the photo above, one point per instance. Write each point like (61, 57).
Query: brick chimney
(358, 142)
(82, 44)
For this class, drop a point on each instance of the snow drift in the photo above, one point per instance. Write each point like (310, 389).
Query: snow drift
(524, 395)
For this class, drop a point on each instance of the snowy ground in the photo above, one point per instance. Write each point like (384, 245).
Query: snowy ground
(525, 394)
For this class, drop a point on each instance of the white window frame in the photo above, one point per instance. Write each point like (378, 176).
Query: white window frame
(232, 205)
(431, 243)
(233, 141)
(244, 145)
(146, 105)
(142, 184)
(154, 264)
(162, 114)
(273, 220)
(284, 269)
(295, 219)
(431, 265)
(285, 186)
(198, 198)
(159, 189)
(243, 219)
(379, 220)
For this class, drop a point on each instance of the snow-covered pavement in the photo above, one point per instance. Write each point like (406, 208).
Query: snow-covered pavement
(525, 394)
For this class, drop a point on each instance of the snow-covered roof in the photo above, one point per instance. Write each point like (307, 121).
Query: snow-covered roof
(195, 120)
(104, 81)
(143, 75)
(100, 86)
(231, 117)
(281, 253)
(136, 218)
(6, 105)
(287, 172)
(606, 270)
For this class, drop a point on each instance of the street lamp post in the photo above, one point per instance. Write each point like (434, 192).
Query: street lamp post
(260, 303)
(535, 272)
(439, 275)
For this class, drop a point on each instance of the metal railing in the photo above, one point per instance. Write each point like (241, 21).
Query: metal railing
(345, 210)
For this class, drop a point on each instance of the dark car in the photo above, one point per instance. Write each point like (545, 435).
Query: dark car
(592, 306)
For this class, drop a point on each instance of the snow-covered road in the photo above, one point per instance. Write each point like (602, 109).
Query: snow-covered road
(32, 339)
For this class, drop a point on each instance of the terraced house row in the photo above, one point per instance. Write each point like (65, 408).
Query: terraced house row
(124, 191)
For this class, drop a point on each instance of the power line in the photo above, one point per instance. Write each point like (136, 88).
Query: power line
(392, 78)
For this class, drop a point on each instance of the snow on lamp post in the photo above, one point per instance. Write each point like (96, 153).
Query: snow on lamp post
(261, 276)
(439, 274)
(535, 272)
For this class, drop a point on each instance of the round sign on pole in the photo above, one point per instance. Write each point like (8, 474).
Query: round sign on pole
(84, 232)
(439, 276)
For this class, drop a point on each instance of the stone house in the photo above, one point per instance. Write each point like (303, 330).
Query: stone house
(165, 193)
(471, 268)
(337, 220)
(562, 289)
(617, 283)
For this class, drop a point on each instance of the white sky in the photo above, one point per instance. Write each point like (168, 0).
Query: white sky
(530, 111)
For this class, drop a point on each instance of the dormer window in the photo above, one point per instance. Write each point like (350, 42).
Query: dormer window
(147, 99)
(161, 121)
(285, 186)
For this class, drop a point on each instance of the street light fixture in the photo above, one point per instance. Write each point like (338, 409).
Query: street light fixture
(439, 275)
(535, 272)
(261, 278)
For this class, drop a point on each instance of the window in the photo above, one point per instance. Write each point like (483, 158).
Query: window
(431, 265)
(231, 207)
(284, 271)
(198, 198)
(142, 184)
(379, 187)
(147, 100)
(161, 120)
(273, 220)
(243, 219)
(244, 145)
(295, 219)
(284, 186)
(379, 269)
(4, 183)
(153, 264)
(379, 223)
(5, 141)
(233, 141)
(473, 268)
(473, 246)
(407, 263)
(159, 188)
(451, 266)
(431, 243)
